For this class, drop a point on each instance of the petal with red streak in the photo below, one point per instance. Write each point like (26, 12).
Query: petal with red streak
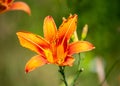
(32, 42)
(34, 63)
(49, 28)
(20, 6)
(68, 61)
(9, 1)
(67, 28)
(80, 46)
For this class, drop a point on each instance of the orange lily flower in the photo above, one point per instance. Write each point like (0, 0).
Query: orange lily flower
(54, 48)
(7, 5)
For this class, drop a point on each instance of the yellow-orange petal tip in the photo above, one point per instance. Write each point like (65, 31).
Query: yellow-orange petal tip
(34, 63)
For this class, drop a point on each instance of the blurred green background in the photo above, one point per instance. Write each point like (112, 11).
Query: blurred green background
(103, 19)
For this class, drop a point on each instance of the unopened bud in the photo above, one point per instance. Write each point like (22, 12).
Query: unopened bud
(84, 32)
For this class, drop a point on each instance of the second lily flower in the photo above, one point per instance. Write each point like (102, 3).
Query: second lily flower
(8, 5)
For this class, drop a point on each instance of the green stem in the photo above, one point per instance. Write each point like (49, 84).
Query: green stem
(61, 70)
(76, 77)
(79, 62)
(78, 71)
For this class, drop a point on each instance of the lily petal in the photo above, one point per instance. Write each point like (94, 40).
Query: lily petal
(68, 61)
(3, 8)
(32, 42)
(67, 28)
(49, 28)
(20, 6)
(61, 54)
(34, 63)
(80, 46)
(9, 1)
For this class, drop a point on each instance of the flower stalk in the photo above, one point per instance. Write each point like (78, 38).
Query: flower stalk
(61, 71)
